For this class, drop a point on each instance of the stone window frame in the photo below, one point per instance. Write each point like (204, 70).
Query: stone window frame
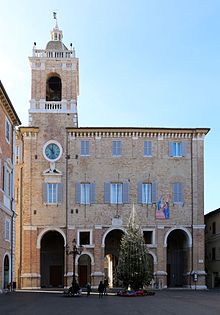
(7, 130)
(7, 230)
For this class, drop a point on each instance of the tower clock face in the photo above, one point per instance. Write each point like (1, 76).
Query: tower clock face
(52, 151)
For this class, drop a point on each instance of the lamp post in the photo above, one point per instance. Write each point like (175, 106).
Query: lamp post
(76, 250)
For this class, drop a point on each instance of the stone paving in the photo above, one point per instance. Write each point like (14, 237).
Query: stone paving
(175, 302)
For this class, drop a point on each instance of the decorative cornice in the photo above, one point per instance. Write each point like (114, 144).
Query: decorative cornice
(135, 133)
(6, 102)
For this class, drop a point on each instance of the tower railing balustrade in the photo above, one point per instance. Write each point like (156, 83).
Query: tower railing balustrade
(53, 106)
(65, 54)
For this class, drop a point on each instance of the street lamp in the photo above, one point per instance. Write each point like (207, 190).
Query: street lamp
(76, 250)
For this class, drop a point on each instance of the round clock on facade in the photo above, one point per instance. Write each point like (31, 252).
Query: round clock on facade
(52, 150)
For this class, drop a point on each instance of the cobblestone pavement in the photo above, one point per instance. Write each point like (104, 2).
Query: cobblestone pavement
(176, 302)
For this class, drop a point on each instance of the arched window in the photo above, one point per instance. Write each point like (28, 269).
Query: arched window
(53, 89)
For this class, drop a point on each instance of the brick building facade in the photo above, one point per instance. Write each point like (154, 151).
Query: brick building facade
(212, 248)
(8, 121)
(82, 183)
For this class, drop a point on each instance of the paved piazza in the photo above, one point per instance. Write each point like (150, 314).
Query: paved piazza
(163, 302)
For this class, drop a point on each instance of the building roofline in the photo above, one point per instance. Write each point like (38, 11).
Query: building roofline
(142, 129)
(211, 213)
(9, 107)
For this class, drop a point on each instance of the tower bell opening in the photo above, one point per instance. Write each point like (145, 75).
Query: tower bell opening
(53, 89)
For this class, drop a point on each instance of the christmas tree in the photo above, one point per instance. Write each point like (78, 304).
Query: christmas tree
(133, 267)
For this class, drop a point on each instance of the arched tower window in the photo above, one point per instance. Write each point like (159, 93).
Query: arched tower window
(53, 88)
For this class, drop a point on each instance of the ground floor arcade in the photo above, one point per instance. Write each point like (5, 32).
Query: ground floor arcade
(175, 257)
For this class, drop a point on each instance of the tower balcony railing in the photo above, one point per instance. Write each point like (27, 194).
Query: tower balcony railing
(53, 106)
(61, 54)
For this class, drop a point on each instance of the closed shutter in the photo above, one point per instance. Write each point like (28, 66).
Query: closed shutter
(170, 148)
(178, 193)
(60, 193)
(154, 192)
(139, 193)
(44, 192)
(92, 193)
(181, 194)
(183, 148)
(147, 148)
(106, 192)
(78, 193)
(125, 193)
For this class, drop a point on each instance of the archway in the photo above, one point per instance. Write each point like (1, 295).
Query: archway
(177, 258)
(6, 271)
(112, 247)
(84, 268)
(52, 260)
(54, 88)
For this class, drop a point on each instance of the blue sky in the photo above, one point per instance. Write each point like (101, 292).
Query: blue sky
(142, 63)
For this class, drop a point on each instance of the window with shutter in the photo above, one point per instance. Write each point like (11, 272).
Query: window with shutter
(7, 230)
(116, 148)
(147, 148)
(177, 192)
(7, 130)
(52, 193)
(84, 147)
(177, 149)
(116, 193)
(85, 193)
(7, 180)
(146, 193)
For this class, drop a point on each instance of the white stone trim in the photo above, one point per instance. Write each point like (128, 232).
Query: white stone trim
(90, 236)
(178, 228)
(153, 235)
(160, 227)
(85, 252)
(97, 273)
(198, 226)
(154, 256)
(30, 275)
(98, 227)
(29, 228)
(50, 229)
(160, 273)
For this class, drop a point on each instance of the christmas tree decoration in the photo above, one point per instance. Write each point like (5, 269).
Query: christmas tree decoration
(133, 266)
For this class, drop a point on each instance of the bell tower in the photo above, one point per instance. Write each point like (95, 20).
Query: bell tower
(55, 81)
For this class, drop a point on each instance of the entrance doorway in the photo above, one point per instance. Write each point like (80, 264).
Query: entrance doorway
(177, 258)
(112, 248)
(84, 266)
(6, 271)
(52, 260)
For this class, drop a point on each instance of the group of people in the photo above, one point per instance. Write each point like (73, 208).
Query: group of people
(75, 288)
(102, 288)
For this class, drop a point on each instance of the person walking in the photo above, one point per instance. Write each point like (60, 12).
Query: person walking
(105, 286)
(88, 288)
(101, 289)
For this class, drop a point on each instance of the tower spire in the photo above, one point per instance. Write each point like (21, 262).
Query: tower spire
(56, 33)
